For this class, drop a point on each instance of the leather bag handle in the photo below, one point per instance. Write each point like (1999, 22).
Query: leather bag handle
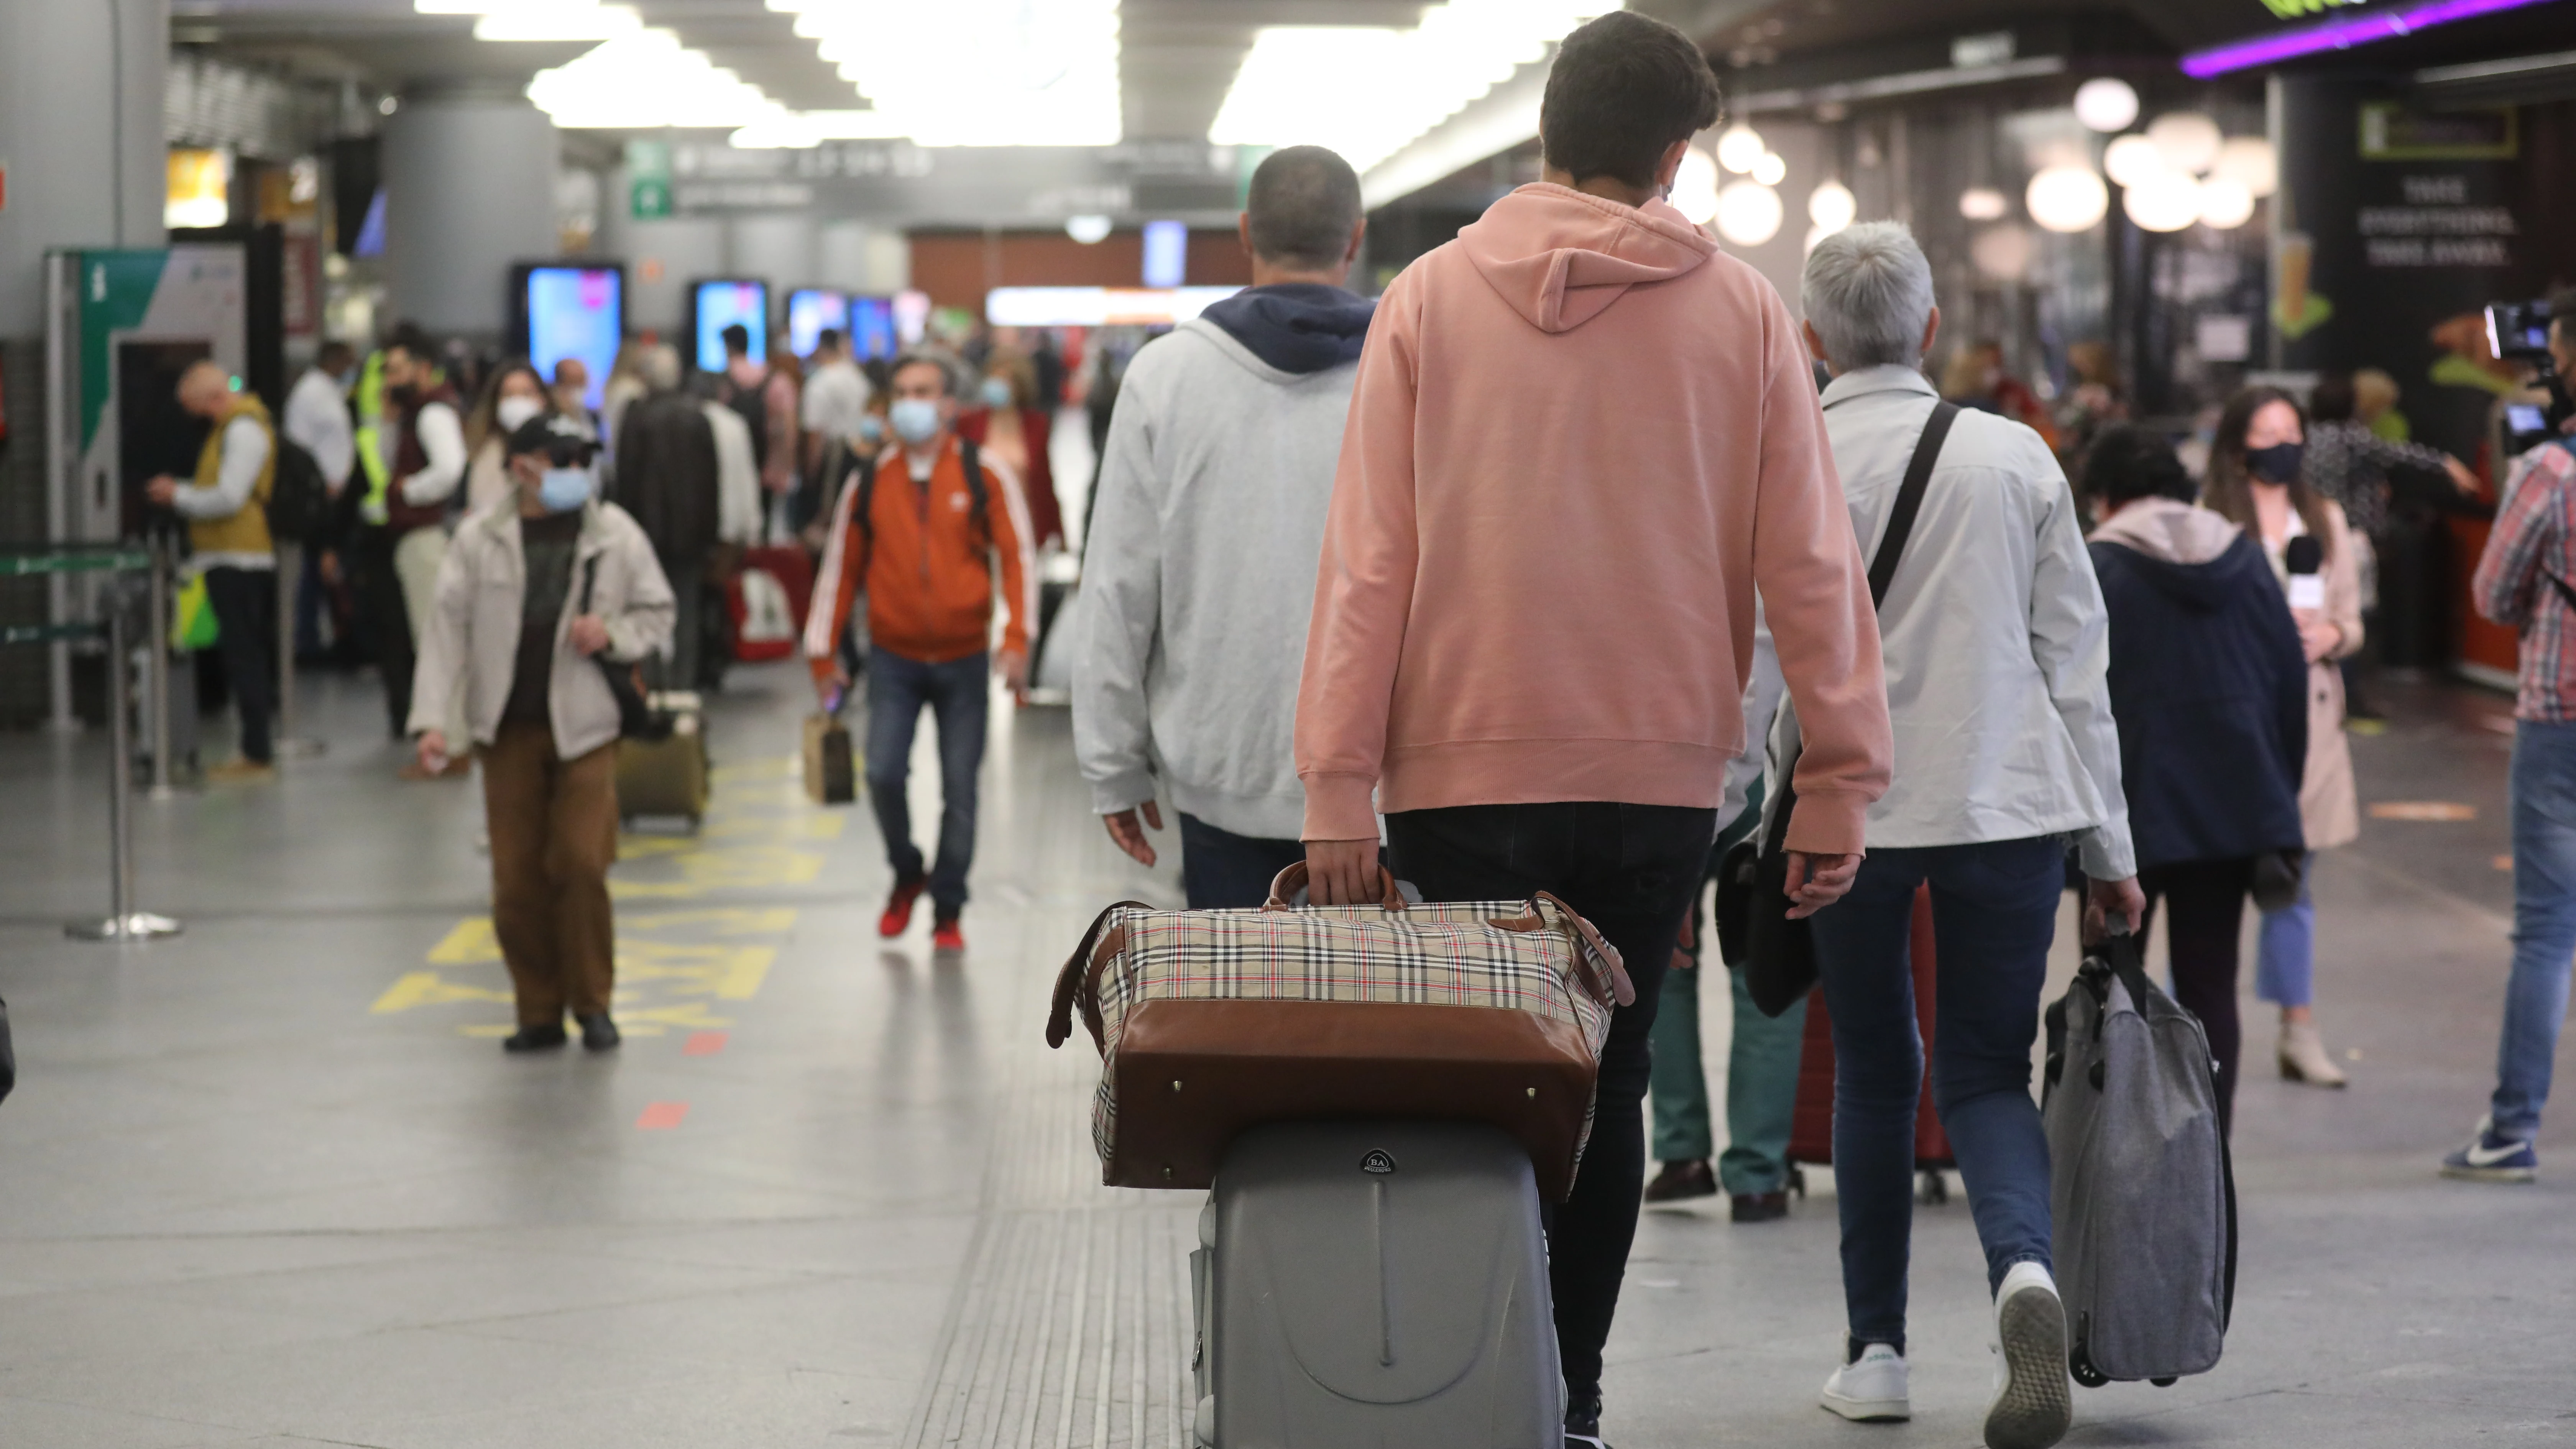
(1603, 970)
(1079, 980)
(1293, 879)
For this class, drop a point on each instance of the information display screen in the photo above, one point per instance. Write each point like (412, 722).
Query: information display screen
(716, 305)
(573, 311)
(872, 328)
(809, 311)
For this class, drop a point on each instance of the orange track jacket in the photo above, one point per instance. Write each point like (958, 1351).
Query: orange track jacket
(929, 570)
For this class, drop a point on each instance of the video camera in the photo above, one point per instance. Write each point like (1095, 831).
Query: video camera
(2519, 332)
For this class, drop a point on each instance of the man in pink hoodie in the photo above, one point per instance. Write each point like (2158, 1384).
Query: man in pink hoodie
(1580, 439)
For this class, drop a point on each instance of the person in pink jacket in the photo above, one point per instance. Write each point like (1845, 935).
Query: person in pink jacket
(1581, 438)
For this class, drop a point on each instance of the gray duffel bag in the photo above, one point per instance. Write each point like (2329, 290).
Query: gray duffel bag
(2141, 1188)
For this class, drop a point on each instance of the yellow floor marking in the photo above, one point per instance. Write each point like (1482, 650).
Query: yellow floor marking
(742, 868)
(728, 920)
(428, 988)
(730, 973)
(472, 941)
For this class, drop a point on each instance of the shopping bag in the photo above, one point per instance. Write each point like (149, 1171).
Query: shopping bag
(192, 617)
(831, 772)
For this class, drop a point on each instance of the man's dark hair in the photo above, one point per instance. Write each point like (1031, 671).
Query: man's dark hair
(2129, 462)
(1303, 203)
(947, 371)
(737, 338)
(334, 356)
(409, 339)
(1623, 89)
(827, 340)
(2333, 400)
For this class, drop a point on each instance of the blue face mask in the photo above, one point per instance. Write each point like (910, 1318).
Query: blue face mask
(997, 393)
(564, 489)
(915, 419)
(871, 427)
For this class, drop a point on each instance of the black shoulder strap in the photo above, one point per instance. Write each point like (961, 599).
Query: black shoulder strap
(589, 576)
(1909, 500)
(975, 489)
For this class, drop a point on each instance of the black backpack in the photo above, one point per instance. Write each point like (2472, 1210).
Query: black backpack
(976, 491)
(299, 500)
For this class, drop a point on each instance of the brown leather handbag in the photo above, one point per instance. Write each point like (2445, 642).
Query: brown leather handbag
(1209, 1022)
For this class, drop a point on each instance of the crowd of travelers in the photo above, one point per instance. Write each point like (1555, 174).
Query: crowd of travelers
(1349, 566)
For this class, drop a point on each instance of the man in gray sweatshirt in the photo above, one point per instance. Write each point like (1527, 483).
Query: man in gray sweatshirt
(1199, 573)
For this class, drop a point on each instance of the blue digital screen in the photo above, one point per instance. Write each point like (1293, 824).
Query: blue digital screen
(872, 329)
(809, 311)
(718, 305)
(576, 312)
(1167, 253)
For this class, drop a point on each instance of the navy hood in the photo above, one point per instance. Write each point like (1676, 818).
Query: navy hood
(1296, 326)
(2203, 588)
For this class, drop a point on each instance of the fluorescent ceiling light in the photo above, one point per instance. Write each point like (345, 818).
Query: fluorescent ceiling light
(2342, 33)
(977, 72)
(569, 20)
(1368, 91)
(645, 81)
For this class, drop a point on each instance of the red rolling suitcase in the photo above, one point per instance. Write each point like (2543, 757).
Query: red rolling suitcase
(765, 602)
(1811, 1135)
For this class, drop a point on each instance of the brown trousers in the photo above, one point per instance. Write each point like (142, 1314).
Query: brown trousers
(554, 835)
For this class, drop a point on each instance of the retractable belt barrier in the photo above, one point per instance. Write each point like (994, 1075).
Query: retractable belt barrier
(125, 923)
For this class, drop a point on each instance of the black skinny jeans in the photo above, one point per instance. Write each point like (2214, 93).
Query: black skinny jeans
(2206, 900)
(245, 605)
(1631, 870)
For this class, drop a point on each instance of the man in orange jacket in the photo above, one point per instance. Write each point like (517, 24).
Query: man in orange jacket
(921, 538)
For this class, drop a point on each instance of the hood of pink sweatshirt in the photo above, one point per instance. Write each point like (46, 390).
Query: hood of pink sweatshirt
(1562, 258)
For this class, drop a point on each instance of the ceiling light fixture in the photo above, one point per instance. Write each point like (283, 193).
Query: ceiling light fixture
(1983, 203)
(1695, 187)
(2250, 162)
(1832, 207)
(2067, 198)
(2166, 202)
(977, 72)
(1770, 169)
(2225, 204)
(1367, 92)
(1739, 147)
(2188, 140)
(2129, 160)
(2106, 104)
(1748, 213)
(645, 81)
(1088, 230)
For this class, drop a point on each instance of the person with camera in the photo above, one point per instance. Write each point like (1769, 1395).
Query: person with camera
(539, 587)
(2523, 582)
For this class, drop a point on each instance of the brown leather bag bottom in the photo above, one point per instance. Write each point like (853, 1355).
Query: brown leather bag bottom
(1192, 1074)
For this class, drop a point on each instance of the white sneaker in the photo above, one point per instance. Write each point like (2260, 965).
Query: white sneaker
(2032, 1407)
(1871, 1388)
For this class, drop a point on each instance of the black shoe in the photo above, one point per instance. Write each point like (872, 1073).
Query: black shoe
(534, 1039)
(1759, 1207)
(1687, 1178)
(598, 1033)
(1583, 1422)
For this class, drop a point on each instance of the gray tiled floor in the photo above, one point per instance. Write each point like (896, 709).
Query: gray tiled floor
(272, 1184)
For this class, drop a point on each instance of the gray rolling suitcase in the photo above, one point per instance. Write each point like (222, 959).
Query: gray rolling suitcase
(1375, 1285)
(2141, 1188)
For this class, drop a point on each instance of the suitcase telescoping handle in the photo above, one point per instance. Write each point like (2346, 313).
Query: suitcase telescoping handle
(1284, 888)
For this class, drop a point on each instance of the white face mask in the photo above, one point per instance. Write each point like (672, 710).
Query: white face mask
(513, 413)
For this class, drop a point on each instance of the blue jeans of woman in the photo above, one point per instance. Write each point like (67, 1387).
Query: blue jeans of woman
(2544, 922)
(959, 695)
(1994, 911)
(2285, 950)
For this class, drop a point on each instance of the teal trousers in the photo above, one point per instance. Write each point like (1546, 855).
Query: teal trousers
(1761, 1063)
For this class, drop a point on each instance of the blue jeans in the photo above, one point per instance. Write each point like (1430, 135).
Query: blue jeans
(2544, 921)
(2285, 955)
(1994, 910)
(1222, 870)
(959, 699)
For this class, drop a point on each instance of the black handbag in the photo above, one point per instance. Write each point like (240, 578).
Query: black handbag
(637, 719)
(1780, 953)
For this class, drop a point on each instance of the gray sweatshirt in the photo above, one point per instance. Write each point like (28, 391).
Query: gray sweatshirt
(1199, 575)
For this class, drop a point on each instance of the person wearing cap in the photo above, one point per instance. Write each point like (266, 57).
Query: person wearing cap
(540, 585)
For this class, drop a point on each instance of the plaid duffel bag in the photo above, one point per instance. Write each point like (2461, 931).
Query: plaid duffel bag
(1209, 1022)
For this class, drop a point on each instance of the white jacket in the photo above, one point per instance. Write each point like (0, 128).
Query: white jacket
(471, 641)
(1198, 578)
(1996, 641)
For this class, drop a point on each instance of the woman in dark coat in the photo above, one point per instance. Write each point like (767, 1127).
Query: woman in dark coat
(2209, 684)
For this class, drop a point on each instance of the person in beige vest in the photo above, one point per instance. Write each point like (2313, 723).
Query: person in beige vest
(2257, 481)
(228, 542)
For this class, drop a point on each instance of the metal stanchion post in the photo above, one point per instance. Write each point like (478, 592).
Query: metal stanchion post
(290, 582)
(127, 924)
(156, 639)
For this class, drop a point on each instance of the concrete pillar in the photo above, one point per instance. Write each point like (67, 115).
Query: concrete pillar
(80, 134)
(857, 257)
(469, 180)
(776, 247)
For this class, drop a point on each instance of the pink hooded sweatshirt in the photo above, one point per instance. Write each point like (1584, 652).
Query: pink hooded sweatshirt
(1581, 435)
